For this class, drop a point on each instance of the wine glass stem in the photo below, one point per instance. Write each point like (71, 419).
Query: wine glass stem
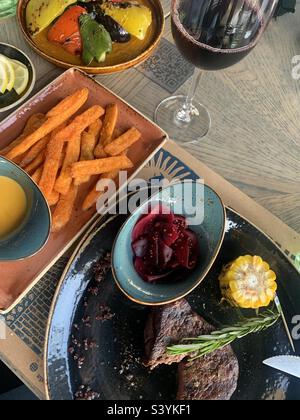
(185, 114)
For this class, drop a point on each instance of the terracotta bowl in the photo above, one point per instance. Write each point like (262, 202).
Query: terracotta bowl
(160, 24)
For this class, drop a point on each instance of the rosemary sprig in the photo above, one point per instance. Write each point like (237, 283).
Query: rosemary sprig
(205, 344)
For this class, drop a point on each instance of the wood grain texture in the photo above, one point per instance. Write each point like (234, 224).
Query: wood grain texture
(255, 137)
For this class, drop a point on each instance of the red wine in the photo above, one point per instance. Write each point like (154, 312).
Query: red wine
(215, 34)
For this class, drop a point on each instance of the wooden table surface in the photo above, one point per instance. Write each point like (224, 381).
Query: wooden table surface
(254, 141)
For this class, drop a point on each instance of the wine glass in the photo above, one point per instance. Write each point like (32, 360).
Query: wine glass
(212, 35)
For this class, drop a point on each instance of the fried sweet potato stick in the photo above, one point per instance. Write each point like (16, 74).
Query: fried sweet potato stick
(109, 125)
(65, 103)
(89, 140)
(35, 163)
(81, 122)
(93, 195)
(126, 140)
(116, 134)
(53, 199)
(18, 159)
(35, 151)
(36, 176)
(63, 212)
(71, 105)
(64, 181)
(33, 123)
(52, 163)
(62, 157)
(100, 166)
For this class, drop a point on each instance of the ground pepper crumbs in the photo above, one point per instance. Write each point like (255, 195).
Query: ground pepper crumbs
(104, 314)
(79, 348)
(85, 393)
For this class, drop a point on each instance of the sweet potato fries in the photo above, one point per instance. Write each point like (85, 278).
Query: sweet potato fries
(65, 149)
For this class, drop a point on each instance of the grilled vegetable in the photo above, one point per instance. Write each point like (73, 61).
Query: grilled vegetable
(134, 18)
(90, 6)
(66, 30)
(40, 13)
(248, 282)
(96, 40)
(116, 31)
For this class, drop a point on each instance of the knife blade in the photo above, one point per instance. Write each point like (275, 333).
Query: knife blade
(286, 364)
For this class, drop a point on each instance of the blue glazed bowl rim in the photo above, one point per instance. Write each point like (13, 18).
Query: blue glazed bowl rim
(201, 278)
(19, 169)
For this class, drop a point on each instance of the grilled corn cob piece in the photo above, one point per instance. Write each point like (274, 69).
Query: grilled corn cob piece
(248, 282)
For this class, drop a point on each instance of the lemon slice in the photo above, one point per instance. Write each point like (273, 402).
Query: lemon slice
(3, 78)
(21, 76)
(9, 71)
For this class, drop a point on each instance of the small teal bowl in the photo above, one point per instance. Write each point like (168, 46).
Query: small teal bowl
(34, 232)
(209, 222)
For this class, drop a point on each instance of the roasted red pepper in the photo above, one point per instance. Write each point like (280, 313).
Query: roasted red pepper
(66, 30)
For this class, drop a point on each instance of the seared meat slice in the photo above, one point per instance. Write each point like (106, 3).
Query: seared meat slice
(167, 325)
(211, 377)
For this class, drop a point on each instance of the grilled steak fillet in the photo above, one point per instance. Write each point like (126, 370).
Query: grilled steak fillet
(167, 325)
(212, 377)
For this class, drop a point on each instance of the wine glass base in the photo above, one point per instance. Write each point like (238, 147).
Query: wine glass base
(179, 128)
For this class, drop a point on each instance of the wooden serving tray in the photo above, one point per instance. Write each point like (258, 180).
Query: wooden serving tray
(17, 278)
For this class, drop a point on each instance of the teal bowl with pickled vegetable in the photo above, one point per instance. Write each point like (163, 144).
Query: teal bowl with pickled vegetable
(206, 216)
